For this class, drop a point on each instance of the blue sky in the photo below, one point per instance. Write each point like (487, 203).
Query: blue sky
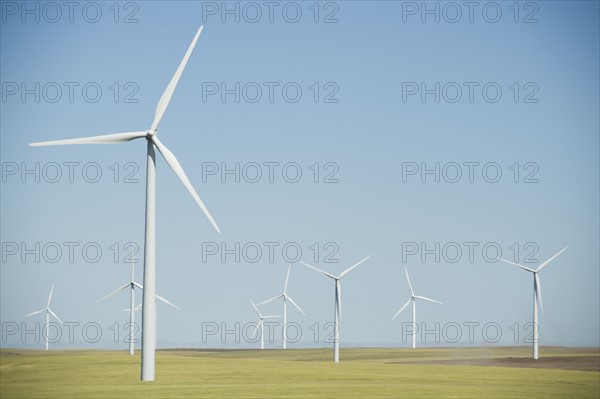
(367, 61)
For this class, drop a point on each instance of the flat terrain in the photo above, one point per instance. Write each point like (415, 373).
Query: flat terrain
(501, 372)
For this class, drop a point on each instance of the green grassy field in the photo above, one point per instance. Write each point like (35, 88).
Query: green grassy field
(304, 373)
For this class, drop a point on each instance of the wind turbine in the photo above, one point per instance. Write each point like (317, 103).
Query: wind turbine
(413, 298)
(260, 324)
(138, 308)
(537, 296)
(48, 313)
(285, 297)
(151, 136)
(133, 285)
(338, 304)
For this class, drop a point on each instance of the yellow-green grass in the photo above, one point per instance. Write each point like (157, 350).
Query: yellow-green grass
(301, 373)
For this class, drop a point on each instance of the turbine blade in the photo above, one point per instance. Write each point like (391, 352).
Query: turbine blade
(141, 287)
(402, 308)
(163, 103)
(132, 267)
(104, 139)
(138, 307)
(255, 308)
(287, 278)
(517, 265)
(409, 284)
(428, 299)
(114, 292)
(36, 312)
(54, 314)
(160, 298)
(174, 164)
(339, 297)
(538, 291)
(540, 267)
(294, 303)
(270, 317)
(348, 270)
(256, 329)
(319, 270)
(270, 299)
(50, 297)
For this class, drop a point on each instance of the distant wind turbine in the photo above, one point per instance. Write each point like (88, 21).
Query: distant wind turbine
(285, 297)
(413, 298)
(261, 324)
(151, 136)
(48, 313)
(537, 297)
(133, 285)
(138, 308)
(338, 304)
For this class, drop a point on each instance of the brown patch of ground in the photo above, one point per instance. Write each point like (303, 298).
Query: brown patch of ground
(580, 363)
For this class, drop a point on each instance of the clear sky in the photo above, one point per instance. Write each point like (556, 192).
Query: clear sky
(352, 96)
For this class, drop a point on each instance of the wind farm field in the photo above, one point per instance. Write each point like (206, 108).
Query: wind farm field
(492, 372)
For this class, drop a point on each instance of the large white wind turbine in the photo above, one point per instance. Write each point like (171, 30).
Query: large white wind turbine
(149, 298)
(132, 285)
(338, 304)
(537, 296)
(260, 325)
(48, 313)
(285, 297)
(413, 298)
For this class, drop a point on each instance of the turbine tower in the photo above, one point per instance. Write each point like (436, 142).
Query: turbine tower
(338, 304)
(285, 297)
(413, 299)
(537, 297)
(48, 313)
(151, 136)
(260, 324)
